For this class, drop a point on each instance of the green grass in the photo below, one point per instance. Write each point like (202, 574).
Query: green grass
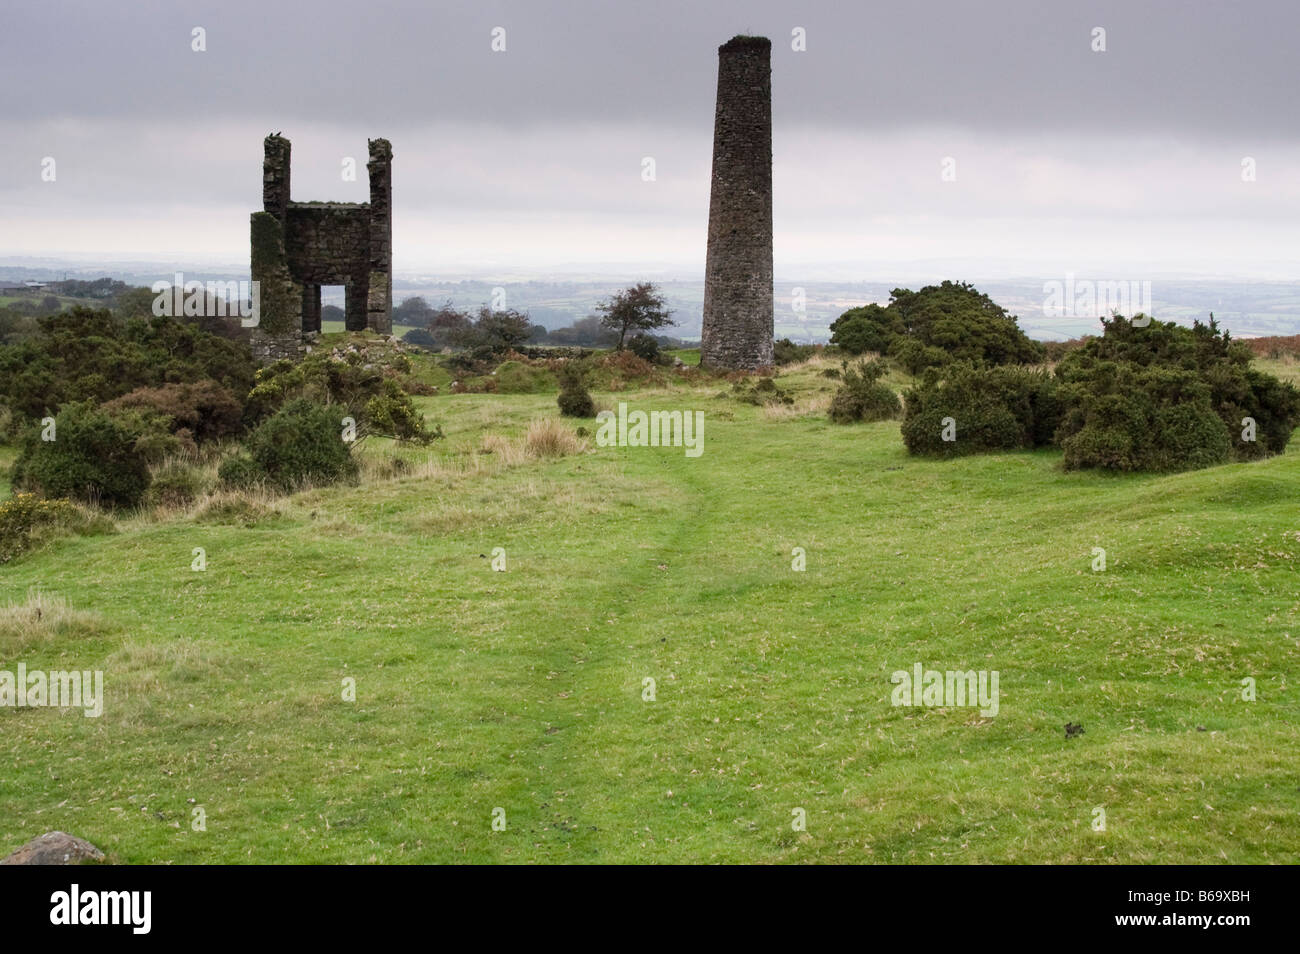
(8, 454)
(331, 327)
(523, 690)
(689, 356)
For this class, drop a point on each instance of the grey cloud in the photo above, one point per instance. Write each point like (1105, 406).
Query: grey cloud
(1172, 66)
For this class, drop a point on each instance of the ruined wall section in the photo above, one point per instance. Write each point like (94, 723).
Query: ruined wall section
(329, 244)
(279, 321)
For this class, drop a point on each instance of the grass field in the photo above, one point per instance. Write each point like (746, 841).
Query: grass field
(523, 690)
(338, 327)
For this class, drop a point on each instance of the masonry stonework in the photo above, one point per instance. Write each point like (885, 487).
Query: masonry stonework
(299, 246)
(738, 302)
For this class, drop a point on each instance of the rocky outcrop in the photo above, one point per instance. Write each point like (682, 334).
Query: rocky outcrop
(55, 848)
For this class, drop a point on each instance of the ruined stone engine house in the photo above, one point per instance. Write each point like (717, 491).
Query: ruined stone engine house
(299, 246)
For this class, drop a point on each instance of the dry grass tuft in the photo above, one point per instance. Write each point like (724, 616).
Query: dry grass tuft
(246, 507)
(42, 618)
(818, 362)
(503, 451)
(547, 437)
(806, 407)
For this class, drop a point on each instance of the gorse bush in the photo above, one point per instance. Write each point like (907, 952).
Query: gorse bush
(861, 396)
(239, 472)
(85, 354)
(966, 409)
(156, 441)
(1145, 396)
(938, 324)
(914, 357)
(644, 347)
(10, 425)
(786, 351)
(1126, 417)
(364, 382)
(93, 457)
(1273, 405)
(301, 443)
(574, 400)
(392, 413)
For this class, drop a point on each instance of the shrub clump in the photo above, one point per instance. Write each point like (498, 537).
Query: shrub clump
(1155, 396)
(392, 413)
(368, 382)
(93, 458)
(786, 351)
(940, 323)
(301, 443)
(239, 472)
(26, 519)
(761, 392)
(645, 347)
(84, 354)
(204, 410)
(574, 400)
(861, 396)
(175, 484)
(1129, 418)
(966, 409)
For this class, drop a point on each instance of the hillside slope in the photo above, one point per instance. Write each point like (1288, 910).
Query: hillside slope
(523, 690)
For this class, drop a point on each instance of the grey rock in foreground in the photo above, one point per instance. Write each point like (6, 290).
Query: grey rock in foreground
(55, 848)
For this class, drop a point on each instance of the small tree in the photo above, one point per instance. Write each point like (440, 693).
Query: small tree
(498, 330)
(414, 312)
(639, 308)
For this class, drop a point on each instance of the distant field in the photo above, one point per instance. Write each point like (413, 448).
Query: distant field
(336, 327)
(1288, 369)
(688, 356)
(65, 300)
(523, 690)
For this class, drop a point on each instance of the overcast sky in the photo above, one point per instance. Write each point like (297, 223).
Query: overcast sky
(1123, 163)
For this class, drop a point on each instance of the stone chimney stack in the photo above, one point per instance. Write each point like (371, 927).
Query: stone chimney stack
(275, 175)
(379, 304)
(738, 317)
